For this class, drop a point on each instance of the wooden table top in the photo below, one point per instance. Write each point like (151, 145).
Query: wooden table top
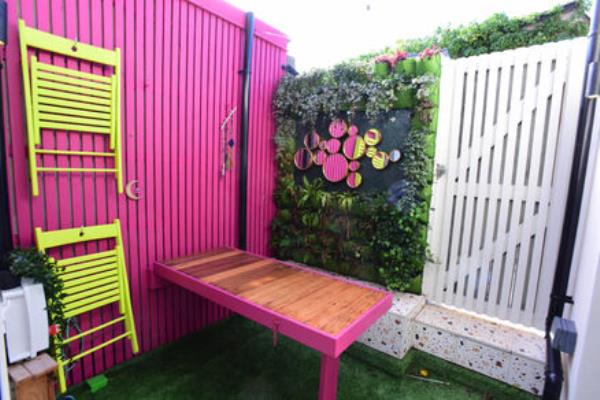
(321, 301)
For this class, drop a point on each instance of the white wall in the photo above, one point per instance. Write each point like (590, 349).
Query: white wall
(582, 370)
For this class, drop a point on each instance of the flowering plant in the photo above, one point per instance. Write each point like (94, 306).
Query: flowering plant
(54, 330)
(429, 52)
(385, 58)
(391, 59)
(401, 55)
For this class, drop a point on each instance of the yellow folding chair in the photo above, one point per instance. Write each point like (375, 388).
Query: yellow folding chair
(91, 281)
(65, 99)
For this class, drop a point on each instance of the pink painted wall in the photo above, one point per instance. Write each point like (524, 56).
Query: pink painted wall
(181, 63)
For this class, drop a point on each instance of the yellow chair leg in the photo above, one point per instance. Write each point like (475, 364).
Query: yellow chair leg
(62, 380)
(125, 304)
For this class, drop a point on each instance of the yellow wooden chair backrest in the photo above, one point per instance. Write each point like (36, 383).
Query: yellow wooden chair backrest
(91, 281)
(66, 99)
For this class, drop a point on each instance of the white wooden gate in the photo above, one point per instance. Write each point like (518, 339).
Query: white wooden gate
(503, 156)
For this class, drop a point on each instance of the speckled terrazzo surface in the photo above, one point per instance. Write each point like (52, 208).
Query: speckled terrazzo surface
(499, 351)
(503, 337)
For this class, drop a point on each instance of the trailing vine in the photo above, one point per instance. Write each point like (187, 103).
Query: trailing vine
(377, 236)
(29, 263)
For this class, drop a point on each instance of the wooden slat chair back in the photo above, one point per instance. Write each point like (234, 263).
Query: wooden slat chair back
(69, 100)
(91, 281)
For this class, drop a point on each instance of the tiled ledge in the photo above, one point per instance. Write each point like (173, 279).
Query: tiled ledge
(500, 336)
(502, 352)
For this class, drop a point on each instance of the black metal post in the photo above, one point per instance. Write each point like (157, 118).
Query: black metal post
(243, 145)
(558, 297)
(5, 228)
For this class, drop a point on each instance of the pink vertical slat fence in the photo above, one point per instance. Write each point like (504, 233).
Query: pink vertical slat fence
(181, 77)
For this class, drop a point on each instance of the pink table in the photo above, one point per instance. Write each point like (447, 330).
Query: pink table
(321, 311)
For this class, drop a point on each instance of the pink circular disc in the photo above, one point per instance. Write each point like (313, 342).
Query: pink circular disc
(320, 157)
(353, 166)
(338, 128)
(333, 146)
(353, 130)
(335, 168)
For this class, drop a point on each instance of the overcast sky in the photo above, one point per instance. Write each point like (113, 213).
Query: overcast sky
(324, 32)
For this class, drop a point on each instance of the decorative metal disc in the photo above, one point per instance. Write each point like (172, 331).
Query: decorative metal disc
(353, 130)
(354, 147)
(395, 155)
(333, 146)
(319, 157)
(373, 137)
(311, 140)
(354, 180)
(335, 167)
(371, 150)
(380, 160)
(338, 128)
(303, 159)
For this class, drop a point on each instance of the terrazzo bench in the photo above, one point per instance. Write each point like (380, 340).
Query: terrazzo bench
(320, 311)
(501, 351)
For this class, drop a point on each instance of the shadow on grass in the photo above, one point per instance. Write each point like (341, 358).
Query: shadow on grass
(235, 360)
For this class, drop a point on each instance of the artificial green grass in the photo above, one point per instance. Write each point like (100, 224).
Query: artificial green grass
(235, 359)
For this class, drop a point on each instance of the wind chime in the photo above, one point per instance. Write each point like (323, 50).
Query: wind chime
(227, 142)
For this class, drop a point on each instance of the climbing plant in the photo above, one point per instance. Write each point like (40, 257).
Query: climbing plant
(374, 235)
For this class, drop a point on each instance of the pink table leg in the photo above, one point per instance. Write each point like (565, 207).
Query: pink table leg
(329, 377)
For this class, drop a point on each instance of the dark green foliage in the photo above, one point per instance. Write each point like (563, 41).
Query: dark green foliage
(346, 88)
(362, 234)
(500, 32)
(29, 263)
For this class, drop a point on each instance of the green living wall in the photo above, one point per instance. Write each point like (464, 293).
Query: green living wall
(371, 233)
(501, 32)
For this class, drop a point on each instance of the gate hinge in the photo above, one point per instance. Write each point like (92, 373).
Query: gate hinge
(440, 170)
(565, 299)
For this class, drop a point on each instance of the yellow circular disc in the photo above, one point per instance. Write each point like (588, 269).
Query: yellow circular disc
(380, 160)
(371, 150)
(372, 137)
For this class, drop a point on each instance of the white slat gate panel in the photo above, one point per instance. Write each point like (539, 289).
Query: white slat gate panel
(505, 140)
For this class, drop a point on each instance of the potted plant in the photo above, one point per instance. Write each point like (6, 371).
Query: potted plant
(29, 264)
(383, 66)
(430, 61)
(404, 65)
(405, 96)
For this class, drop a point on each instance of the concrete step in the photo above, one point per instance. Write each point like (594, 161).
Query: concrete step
(501, 351)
